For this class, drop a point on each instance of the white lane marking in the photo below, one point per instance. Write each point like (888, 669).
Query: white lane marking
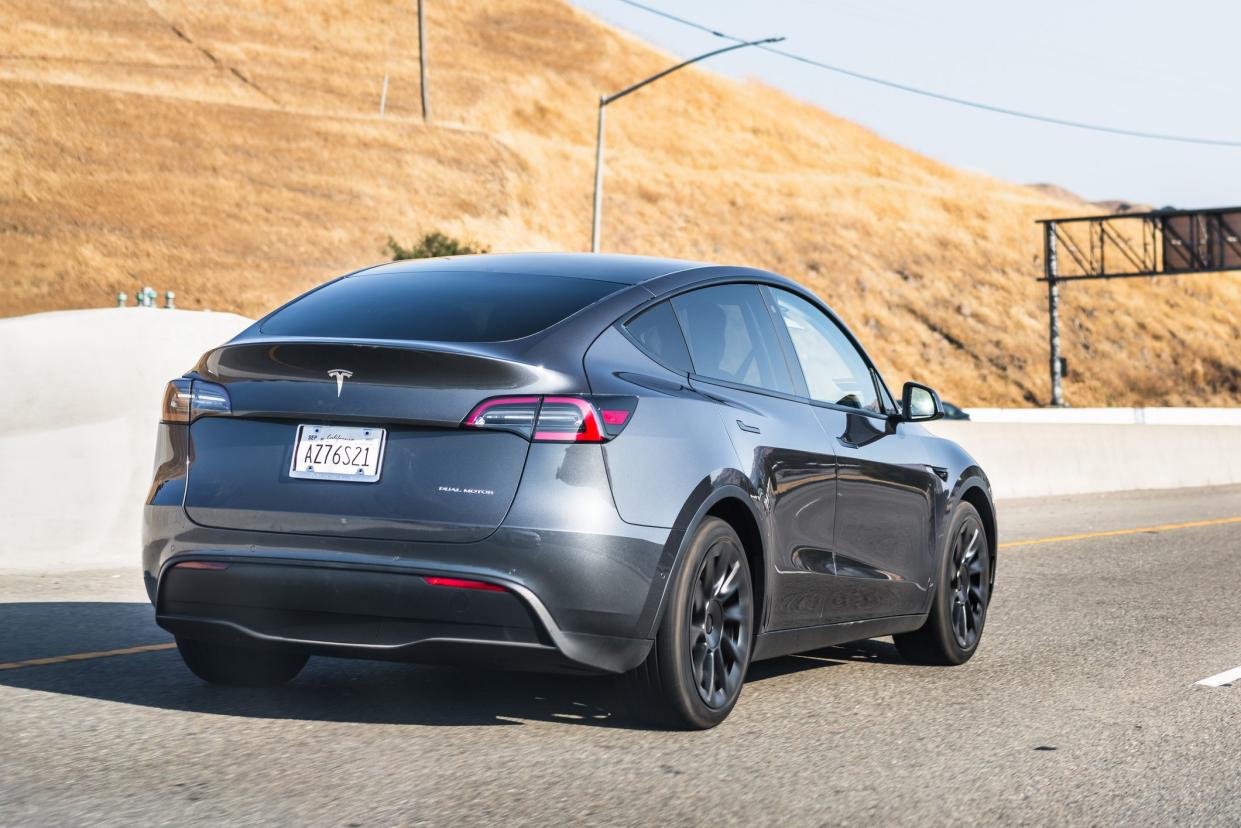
(1224, 679)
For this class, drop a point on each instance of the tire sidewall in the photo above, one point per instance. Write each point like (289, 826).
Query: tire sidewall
(942, 606)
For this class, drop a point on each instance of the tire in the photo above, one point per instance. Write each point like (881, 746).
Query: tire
(958, 613)
(239, 666)
(693, 676)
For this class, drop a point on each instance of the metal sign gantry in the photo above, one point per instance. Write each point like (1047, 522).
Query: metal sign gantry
(1129, 245)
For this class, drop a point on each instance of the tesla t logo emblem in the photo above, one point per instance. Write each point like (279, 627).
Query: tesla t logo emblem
(340, 375)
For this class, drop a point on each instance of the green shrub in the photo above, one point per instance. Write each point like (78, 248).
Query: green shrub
(432, 245)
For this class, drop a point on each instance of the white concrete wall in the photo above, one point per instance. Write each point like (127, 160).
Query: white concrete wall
(1034, 459)
(1110, 416)
(80, 395)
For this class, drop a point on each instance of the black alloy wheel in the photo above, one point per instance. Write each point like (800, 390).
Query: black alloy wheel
(718, 624)
(694, 673)
(968, 584)
(954, 625)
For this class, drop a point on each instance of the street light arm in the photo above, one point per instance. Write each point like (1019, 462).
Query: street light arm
(597, 216)
(607, 99)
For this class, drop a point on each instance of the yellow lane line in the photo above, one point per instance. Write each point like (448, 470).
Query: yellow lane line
(39, 662)
(1165, 527)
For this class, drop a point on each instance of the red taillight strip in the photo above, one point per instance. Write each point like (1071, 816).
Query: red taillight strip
(462, 583)
(590, 433)
(535, 417)
(212, 565)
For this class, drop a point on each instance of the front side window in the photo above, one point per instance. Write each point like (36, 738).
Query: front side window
(834, 369)
(731, 337)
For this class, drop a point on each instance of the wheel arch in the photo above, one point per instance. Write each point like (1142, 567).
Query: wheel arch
(740, 516)
(733, 503)
(976, 493)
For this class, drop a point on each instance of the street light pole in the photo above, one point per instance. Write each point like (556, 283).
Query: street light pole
(597, 214)
(604, 100)
(422, 63)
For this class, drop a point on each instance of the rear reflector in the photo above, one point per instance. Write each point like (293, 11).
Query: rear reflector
(576, 419)
(615, 417)
(462, 583)
(213, 565)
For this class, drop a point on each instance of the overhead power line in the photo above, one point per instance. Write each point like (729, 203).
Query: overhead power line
(926, 93)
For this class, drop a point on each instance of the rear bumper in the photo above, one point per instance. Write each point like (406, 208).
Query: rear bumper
(572, 601)
(390, 614)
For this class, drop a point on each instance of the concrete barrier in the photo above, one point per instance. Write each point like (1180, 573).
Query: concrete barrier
(81, 392)
(81, 395)
(1110, 416)
(1036, 459)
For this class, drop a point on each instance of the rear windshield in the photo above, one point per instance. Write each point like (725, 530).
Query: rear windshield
(445, 306)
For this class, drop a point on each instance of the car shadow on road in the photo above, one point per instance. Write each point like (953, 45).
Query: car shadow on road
(329, 689)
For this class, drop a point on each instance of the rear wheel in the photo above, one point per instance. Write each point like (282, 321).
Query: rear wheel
(954, 626)
(239, 666)
(693, 675)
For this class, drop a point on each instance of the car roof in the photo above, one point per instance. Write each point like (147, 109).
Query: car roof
(604, 267)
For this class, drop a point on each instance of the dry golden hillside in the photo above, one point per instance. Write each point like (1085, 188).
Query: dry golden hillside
(233, 152)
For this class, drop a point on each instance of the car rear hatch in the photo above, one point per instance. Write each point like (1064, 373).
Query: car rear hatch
(435, 480)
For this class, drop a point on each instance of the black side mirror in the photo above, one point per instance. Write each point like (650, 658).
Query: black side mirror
(920, 404)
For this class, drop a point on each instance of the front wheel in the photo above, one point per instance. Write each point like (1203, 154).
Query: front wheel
(239, 666)
(953, 628)
(693, 675)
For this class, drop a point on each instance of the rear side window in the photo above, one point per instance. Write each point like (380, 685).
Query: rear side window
(731, 336)
(437, 306)
(657, 331)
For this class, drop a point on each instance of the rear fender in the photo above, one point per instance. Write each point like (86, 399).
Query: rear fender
(671, 443)
(724, 484)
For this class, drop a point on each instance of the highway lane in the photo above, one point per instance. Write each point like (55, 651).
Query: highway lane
(1082, 706)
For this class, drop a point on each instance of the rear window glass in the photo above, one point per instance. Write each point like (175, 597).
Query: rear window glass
(659, 334)
(446, 306)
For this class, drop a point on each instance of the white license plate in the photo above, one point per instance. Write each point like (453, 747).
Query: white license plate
(323, 452)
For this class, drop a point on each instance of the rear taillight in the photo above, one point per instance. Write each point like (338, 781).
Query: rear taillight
(187, 400)
(585, 419)
(177, 401)
(515, 413)
(569, 419)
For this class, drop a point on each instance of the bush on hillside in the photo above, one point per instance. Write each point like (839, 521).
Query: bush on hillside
(432, 245)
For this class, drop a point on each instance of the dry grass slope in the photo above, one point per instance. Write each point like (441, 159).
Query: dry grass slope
(232, 152)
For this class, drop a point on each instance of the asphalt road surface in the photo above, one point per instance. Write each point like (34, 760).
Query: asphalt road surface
(1082, 706)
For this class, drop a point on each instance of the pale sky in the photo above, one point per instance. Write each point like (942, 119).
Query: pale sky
(1141, 65)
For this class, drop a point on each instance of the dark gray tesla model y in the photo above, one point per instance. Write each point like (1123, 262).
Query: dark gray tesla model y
(559, 462)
